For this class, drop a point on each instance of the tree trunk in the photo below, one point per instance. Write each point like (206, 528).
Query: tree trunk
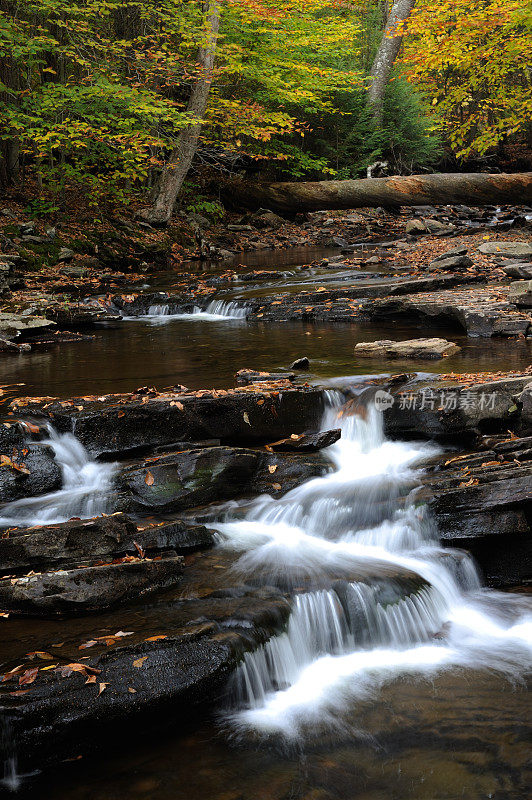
(413, 190)
(388, 51)
(178, 165)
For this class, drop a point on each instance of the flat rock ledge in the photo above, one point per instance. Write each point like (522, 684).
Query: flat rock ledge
(117, 424)
(485, 312)
(453, 409)
(409, 348)
(81, 704)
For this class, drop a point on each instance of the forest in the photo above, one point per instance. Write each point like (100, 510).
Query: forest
(265, 399)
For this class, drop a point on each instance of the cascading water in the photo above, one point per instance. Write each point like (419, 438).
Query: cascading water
(376, 595)
(86, 490)
(216, 311)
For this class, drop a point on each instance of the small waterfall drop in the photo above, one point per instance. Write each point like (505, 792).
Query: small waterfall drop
(222, 309)
(85, 493)
(377, 597)
(215, 311)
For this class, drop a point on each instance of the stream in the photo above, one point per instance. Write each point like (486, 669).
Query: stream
(398, 676)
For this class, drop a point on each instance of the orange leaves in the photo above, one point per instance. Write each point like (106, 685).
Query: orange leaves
(139, 662)
(67, 669)
(28, 676)
(5, 461)
(149, 479)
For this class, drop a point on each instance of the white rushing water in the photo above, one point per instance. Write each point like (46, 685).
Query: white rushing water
(216, 311)
(86, 488)
(376, 596)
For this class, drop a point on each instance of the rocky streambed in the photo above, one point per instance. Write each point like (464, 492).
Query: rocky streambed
(285, 551)
(178, 618)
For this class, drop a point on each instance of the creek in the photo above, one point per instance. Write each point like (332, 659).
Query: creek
(397, 676)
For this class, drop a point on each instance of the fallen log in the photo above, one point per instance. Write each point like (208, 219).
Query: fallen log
(412, 190)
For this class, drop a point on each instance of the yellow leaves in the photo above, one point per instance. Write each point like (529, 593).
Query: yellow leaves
(139, 662)
(272, 468)
(246, 418)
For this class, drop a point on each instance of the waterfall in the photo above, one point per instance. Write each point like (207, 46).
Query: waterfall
(85, 493)
(376, 596)
(215, 311)
(222, 309)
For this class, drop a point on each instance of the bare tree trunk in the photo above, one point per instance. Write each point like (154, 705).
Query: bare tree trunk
(412, 190)
(386, 54)
(178, 165)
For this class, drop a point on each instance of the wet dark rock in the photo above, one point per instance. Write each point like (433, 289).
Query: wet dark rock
(300, 363)
(190, 478)
(307, 442)
(482, 503)
(12, 347)
(525, 401)
(346, 303)
(67, 543)
(452, 412)
(279, 473)
(63, 717)
(91, 588)
(410, 348)
(120, 424)
(80, 315)
(30, 469)
(179, 535)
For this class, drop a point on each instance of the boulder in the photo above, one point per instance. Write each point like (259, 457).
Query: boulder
(410, 348)
(416, 227)
(518, 249)
(27, 468)
(264, 218)
(92, 588)
(519, 270)
(190, 478)
(301, 363)
(65, 254)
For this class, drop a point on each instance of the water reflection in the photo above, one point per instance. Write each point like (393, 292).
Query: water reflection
(201, 353)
